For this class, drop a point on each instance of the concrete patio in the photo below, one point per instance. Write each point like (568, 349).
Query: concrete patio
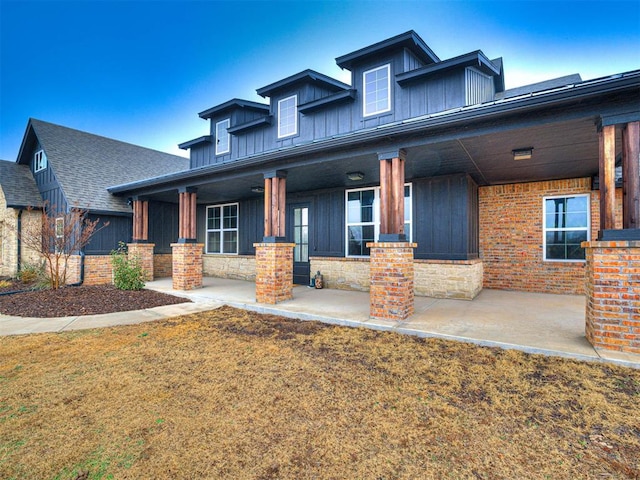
(531, 322)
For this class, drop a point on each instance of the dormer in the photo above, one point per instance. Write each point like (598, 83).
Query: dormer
(303, 93)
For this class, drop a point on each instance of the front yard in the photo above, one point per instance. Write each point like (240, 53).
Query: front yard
(235, 395)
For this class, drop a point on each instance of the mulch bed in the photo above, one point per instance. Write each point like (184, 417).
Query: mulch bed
(82, 300)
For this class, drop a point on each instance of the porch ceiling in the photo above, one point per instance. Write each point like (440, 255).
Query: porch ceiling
(561, 150)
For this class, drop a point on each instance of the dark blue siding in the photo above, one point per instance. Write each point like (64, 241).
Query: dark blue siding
(446, 218)
(163, 225)
(107, 238)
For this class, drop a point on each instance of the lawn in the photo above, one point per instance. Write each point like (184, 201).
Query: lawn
(233, 394)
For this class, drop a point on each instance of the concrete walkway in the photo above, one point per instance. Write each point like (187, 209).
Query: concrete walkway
(531, 322)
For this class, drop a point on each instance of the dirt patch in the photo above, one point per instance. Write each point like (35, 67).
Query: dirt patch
(82, 300)
(234, 394)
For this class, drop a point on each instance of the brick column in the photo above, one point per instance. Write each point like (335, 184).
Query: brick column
(144, 252)
(391, 292)
(274, 272)
(613, 295)
(187, 265)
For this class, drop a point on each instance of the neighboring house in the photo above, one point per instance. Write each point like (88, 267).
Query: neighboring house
(66, 168)
(20, 203)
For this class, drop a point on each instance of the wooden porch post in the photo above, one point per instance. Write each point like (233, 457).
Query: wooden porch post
(392, 196)
(631, 175)
(187, 216)
(275, 203)
(607, 161)
(140, 220)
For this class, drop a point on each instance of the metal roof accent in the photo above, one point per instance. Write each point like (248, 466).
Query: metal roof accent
(195, 141)
(461, 115)
(345, 95)
(303, 77)
(410, 40)
(475, 59)
(233, 104)
(266, 120)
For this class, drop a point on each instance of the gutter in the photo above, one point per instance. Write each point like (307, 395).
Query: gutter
(555, 96)
(79, 283)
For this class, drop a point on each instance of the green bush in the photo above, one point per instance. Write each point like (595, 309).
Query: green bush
(127, 270)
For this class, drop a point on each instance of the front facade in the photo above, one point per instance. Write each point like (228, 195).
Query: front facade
(484, 187)
(420, 176)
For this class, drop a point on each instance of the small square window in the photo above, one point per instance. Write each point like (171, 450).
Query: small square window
(287, 116)
(39, 161)
(222, 137)
(376, 86)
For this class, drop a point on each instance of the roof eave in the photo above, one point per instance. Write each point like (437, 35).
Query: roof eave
(445, 119)
(408, 39)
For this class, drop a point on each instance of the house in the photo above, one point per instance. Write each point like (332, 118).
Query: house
(66, 168)
(420, 176)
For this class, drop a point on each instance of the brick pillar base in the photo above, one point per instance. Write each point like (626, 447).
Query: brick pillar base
(391, 292)
(613, 295)
(187, 265)
(274, 272)
(144, 252)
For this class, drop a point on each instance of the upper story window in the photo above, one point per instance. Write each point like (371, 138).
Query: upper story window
(222, 228)
(566, 225)
(287, 116)
(39, 161)
(363, 218)
(376, 87)
(222, 137)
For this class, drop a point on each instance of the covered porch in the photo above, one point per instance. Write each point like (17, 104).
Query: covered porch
(547, 324)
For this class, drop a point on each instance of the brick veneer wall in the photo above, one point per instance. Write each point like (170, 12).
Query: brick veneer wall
(187, 265)
(144, 253)
(391, 294)
(461, 279)
(432, 278)
(97, 270)
(511, 236)
(613, 295)
(162, 265)
(274, 272)
(238, 267)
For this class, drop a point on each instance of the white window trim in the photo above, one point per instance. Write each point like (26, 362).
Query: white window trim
(364, 91)
(376, 217)
(59, 227)
(295, 117)
(221, 152)
(221, 229)
(39, 161)
(545, 229)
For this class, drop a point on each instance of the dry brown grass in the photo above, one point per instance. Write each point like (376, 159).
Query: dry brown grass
(233, 394)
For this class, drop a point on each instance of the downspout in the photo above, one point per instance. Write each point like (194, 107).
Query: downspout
(19, 242)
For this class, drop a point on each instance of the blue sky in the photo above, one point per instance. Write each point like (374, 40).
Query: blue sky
(140, 71)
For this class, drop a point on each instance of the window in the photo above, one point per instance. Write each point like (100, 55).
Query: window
(376, 86)
(287, 116)
(363, 218)
(59, 227)
(222, 228)
(566, 225)
(39, 161)
(222, 137)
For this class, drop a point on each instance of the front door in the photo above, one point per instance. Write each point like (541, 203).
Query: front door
(300, 230)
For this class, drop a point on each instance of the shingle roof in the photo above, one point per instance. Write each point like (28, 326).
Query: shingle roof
(19, 187)
(86, 164)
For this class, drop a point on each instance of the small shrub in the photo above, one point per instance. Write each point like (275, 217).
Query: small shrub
(32, 273)
(5, 283)
(127, 270)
